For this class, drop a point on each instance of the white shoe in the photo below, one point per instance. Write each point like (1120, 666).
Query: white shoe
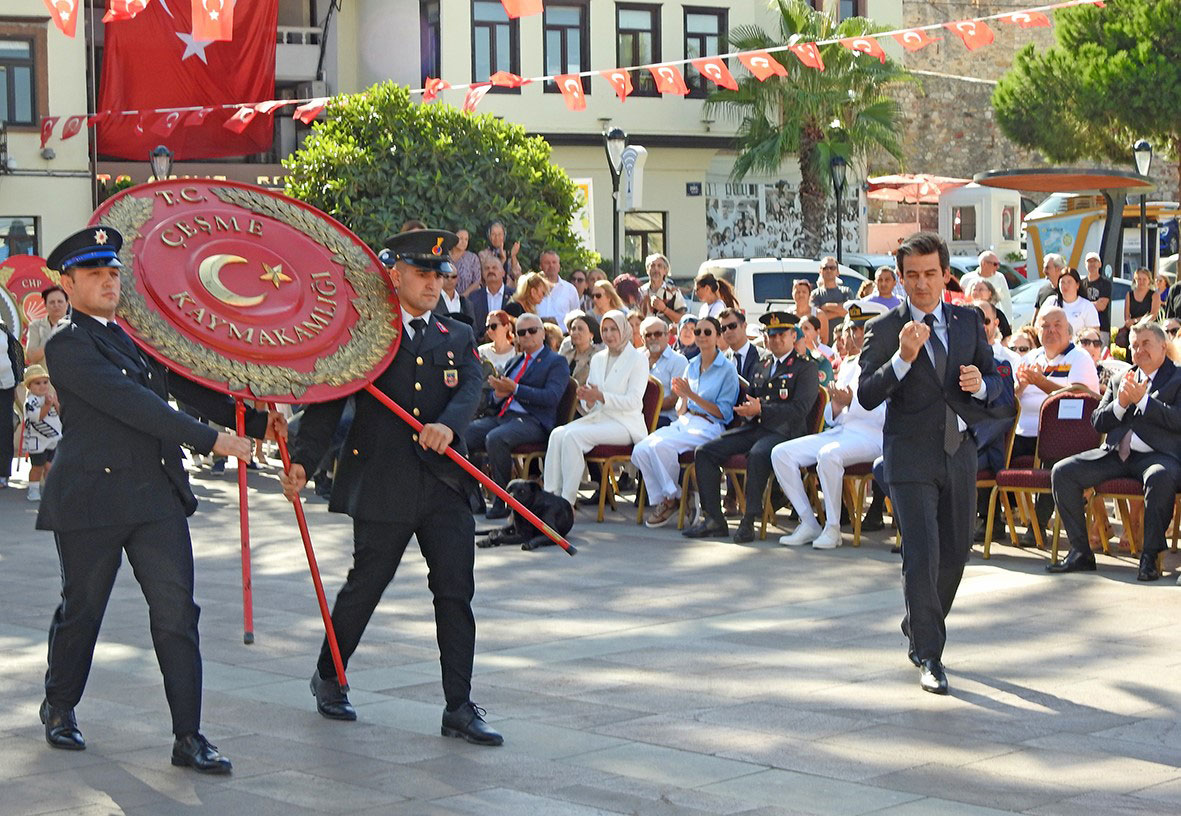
(830, 539)
(802, 535)
(34, 493)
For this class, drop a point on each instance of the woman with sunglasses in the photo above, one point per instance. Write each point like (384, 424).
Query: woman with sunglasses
(604, 299)
(708, 392)
(501, 346)
(1080, 312)
(612, 402)
(583, 343)
(1023, 341)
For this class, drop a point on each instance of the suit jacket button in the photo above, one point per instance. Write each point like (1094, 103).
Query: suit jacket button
(419, 361)
(414, 437)
(416, 412)
(106, 470)
(124, 370)
(418, 386)
(356, 452)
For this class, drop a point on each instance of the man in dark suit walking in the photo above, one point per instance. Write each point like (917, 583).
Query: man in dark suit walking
(931, 364)
(525, 407)
(118, 484)
(1142, 419)
(397, 483)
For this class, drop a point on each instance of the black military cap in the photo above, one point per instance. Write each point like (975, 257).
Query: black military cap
(94, 246)
(778, 322)
(430, 249)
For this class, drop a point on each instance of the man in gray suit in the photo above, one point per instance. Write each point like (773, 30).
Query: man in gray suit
(930, 362)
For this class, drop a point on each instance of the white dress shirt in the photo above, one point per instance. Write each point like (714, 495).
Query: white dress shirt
(1119, 410)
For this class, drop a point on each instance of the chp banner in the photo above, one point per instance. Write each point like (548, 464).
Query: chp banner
(159, 60)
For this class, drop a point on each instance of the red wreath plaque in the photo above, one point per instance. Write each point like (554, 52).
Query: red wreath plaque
(250, 292)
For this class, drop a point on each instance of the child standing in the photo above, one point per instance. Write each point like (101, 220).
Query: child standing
(43, 427)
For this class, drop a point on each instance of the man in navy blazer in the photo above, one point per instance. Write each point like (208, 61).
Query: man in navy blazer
(525, 407)
(1141, 415)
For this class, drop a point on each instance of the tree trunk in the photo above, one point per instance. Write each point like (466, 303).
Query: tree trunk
(812, 209)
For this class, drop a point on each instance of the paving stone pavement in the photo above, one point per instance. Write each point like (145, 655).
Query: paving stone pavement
(648, 675)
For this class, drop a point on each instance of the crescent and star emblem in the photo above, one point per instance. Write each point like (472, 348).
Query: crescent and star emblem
(213, 13)
(760, 61)
(713, 70)
(572, 85)
(910, 36)
(209, 272)
(66, 8)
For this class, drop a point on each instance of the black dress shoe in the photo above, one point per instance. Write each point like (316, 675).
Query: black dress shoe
(1148, 570)
(872, 523)
(708, 528)
(1075, 561)
(913, 658)
(194, 751)
(745, 532)
(933, 678)
(467, 722)
(499, 510)
(331, 701)
(61, 729)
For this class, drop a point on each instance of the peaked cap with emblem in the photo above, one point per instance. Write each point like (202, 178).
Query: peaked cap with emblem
(778, 322)
(861, 312)
(94, 246)
(430, 249)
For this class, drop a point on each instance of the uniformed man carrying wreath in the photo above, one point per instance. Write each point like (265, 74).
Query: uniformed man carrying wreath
(397, 483)
(118, 485)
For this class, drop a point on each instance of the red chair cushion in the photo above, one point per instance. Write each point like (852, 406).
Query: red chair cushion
(608, 451)
(686, 458)
(1024, 478)
(1130, 487)
(735, 462)
(530, 447)
(985, 475)
(859, 469)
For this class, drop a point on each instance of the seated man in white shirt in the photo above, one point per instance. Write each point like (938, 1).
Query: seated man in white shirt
(562, 298)
(855, 436)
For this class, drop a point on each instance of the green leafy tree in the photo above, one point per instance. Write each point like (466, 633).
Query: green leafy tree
(1113, 77)
(380, 160)
(814, 115)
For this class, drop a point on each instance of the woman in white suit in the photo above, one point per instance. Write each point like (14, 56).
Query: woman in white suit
(613, 404)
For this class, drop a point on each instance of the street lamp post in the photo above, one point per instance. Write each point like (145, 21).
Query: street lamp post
(161, 161)
(615, 142)
(1142, 153)
(839, 169)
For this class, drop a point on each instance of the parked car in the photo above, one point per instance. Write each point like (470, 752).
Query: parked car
(1025, 302)
(760, 281)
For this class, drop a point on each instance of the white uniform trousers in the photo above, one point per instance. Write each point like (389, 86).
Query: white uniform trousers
(656, 454)
(830, 451)
(565, 458)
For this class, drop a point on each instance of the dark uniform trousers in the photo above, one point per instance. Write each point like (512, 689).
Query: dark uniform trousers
(161, 555)
(756, 442)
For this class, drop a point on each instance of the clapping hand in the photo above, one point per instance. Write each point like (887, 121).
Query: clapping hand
(1130, 390)
(590, 394)
(841, 397)
(502, 386)
(680, 387)
(750, 408)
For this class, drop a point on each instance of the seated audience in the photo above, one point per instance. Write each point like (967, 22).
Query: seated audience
(660, 296)
(686, 343)
(822, 354)
(501, 348)
(451, 302)
(628, 288)
(739, 350)
(1141, 301)
(553, 336)
(56, 306)
(467, 264)
(563, 295)
(664, 364)
(1110, 370)
(884, 281)
(532, 287)
(605, 299)
(494, 295)
(582, 344)
(714, 294)
(1080, 312)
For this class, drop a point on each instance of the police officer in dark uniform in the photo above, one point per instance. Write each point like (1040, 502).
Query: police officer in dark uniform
(781, 394)
(118, 485)
(397, 483)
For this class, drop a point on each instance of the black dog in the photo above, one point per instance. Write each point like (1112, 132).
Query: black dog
(553, 510)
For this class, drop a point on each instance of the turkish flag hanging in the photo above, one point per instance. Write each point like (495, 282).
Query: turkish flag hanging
(64, 14)
(308, 111)
(1027, 19)
(669, 80)
(213, 19)
(809, 54)
(167, 123)
(716, 70)
(505, 79)
(47, 126)
(521, 8)
(475, 94)
(866, 45)
(197, 117)
(915, 39)
(620, 80)
(124, 10)
(73, 126)
(974, 33)
(154, 61)
(241, 119)
(762, 65)
(571, 87)
(432, 88)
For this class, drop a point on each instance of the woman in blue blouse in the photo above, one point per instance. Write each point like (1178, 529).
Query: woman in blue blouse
(708, 392)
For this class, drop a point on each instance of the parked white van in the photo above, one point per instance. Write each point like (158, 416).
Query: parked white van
(759, 281)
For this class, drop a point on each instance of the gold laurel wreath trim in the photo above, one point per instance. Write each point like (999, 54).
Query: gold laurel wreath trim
(371, 336)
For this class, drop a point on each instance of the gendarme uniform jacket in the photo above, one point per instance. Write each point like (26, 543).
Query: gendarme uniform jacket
(788, 397)
(439, 382)
(119, 461)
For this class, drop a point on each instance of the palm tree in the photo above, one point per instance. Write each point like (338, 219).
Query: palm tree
(843, 110)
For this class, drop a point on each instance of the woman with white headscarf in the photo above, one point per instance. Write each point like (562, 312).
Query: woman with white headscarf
(612, 402)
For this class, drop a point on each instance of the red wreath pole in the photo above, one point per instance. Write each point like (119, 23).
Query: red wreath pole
(244, 529)
(476, 473)
(329, 630)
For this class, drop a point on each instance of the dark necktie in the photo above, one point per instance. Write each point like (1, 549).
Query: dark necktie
(1125, 443)
(951, 426)
(419, 326)
(520, 373)
(125, 342)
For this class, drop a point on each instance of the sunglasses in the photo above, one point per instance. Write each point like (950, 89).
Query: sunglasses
(578, 280)
(1022, 349)
(493, 326)
(730, 327)
(1089, 342)
(653, 335)
(529, 330)
(598, 295)
(703, 332)
(829, 267)
(1173, 331)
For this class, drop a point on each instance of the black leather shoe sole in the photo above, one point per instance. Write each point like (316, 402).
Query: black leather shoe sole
(475, 739)
(1148, 575)
(333, 711)
(744, 536)
(931, 685)
(1062, 567)
(707, 531)
(872, 525)
(66, 742)
(222, 768)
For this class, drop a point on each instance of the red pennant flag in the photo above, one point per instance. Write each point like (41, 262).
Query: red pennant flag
(432, 88)
(474, 95)
(521, 8)
(213, 20)
(95, 118)
(1027, 19)
(809, 54)
(620, 80)
(915, 39)
(308, 111)
(504, 79)
(271, 105)
(142, 120)
(241, 119)
(197, 117)
(762, 65)
(866, 45)
(716, 70)
(571, 87)
(167, 123)
(73, 126)
(120, 10)
(669, 80)
(47, 126)
(974, 33)
(64, 14)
